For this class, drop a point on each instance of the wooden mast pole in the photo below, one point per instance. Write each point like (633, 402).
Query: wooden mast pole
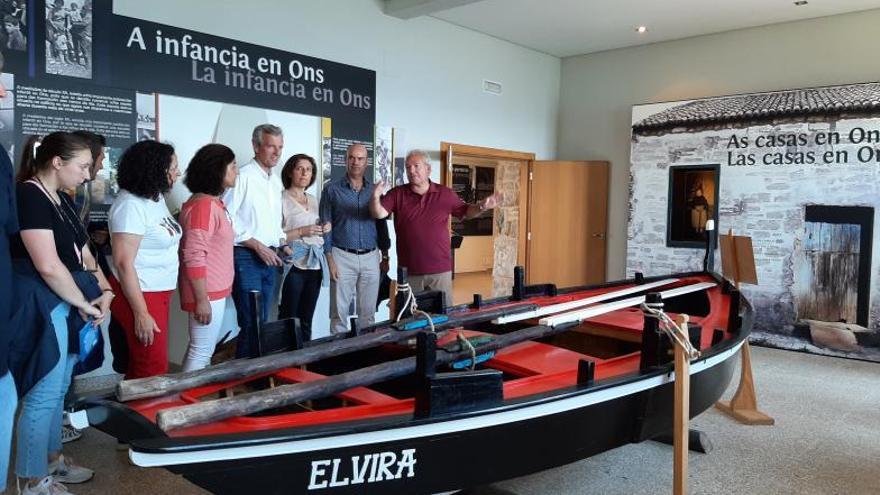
(680, 430)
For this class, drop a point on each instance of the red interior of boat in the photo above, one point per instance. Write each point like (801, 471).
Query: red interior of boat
(536, 368)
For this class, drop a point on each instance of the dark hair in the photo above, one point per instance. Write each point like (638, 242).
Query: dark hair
(60, 144)
(97, 142)
(287, 171)
(206, 170)
(143, 169)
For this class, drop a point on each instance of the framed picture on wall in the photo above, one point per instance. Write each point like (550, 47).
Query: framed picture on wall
(692, 201)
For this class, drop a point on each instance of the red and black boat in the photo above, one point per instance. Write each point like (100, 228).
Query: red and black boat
(561, 375)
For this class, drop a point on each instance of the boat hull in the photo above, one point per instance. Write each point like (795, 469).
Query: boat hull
(436, 454)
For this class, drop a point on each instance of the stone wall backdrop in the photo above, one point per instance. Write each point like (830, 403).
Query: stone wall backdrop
(778, 153)
(506, 228)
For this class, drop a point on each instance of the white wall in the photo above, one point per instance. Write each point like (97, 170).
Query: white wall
(597, 90)
(429, 73)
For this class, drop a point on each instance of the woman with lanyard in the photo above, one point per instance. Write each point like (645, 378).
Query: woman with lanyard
(305, 267)
(58, 287)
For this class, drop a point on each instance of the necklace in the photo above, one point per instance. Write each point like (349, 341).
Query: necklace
(300, 198)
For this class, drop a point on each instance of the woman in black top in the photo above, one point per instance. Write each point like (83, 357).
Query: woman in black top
(58, 288)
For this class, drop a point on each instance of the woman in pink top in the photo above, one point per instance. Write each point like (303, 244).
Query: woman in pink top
(206, 251)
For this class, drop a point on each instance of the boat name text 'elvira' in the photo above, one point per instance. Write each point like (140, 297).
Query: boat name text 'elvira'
(379, 466)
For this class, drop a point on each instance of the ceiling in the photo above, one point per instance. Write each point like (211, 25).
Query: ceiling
(575, 27)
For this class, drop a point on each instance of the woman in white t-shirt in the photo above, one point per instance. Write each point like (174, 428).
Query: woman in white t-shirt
(145, 239)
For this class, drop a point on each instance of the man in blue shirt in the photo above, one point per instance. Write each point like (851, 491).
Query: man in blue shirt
(357, 247)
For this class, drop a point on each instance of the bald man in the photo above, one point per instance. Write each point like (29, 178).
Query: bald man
(357, 247)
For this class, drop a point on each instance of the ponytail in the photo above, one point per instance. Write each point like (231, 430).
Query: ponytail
(37, 154)
(27, 166)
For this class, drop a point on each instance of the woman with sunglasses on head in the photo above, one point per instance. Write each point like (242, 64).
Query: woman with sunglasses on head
(206, 251)
(145, 240)
(58, 287)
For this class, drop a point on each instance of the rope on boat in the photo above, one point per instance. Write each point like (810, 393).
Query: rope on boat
(414, 308)
(464, 342)
(675, 331)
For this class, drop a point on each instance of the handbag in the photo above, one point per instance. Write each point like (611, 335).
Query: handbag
(91, 349)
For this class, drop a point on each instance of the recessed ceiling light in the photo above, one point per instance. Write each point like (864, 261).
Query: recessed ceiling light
(641, 29)
(800, 3)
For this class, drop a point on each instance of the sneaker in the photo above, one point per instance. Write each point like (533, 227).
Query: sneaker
(121, 446)
(46, 486)
(69, 434)
(66, 471)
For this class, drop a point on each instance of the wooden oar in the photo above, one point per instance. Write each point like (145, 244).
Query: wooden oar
(155, 386)
(566, 306)
(205, 412)
(583, 314)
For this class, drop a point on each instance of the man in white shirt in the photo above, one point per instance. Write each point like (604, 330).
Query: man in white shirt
(255, 207)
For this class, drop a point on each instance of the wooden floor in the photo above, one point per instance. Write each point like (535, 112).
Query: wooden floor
(465, 285)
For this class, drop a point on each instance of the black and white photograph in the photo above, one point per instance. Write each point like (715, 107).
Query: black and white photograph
(383, 155)
(326, 159)
(69, 38)
(7, 115)
(146, 116)
(13, 32)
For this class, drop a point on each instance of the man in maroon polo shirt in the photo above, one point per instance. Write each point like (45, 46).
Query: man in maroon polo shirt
(421, 211)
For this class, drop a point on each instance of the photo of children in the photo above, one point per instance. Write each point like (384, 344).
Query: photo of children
(69, 38)
(13, 29)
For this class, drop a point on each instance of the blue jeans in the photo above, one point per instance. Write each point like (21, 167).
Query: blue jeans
(8, 401)
(39, 425)
(251, 274)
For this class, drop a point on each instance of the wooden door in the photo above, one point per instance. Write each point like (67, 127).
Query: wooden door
(567, 220)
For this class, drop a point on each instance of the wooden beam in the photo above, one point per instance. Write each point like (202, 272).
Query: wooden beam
(155, 386)
(480, 151)
(681, 413)
(215, 410)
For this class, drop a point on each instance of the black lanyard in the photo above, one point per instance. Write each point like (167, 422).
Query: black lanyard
(75, 227)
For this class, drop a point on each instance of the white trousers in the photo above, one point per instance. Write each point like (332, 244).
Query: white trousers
(204, 338)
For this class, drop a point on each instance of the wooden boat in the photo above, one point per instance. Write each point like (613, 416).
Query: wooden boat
(596, 376)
